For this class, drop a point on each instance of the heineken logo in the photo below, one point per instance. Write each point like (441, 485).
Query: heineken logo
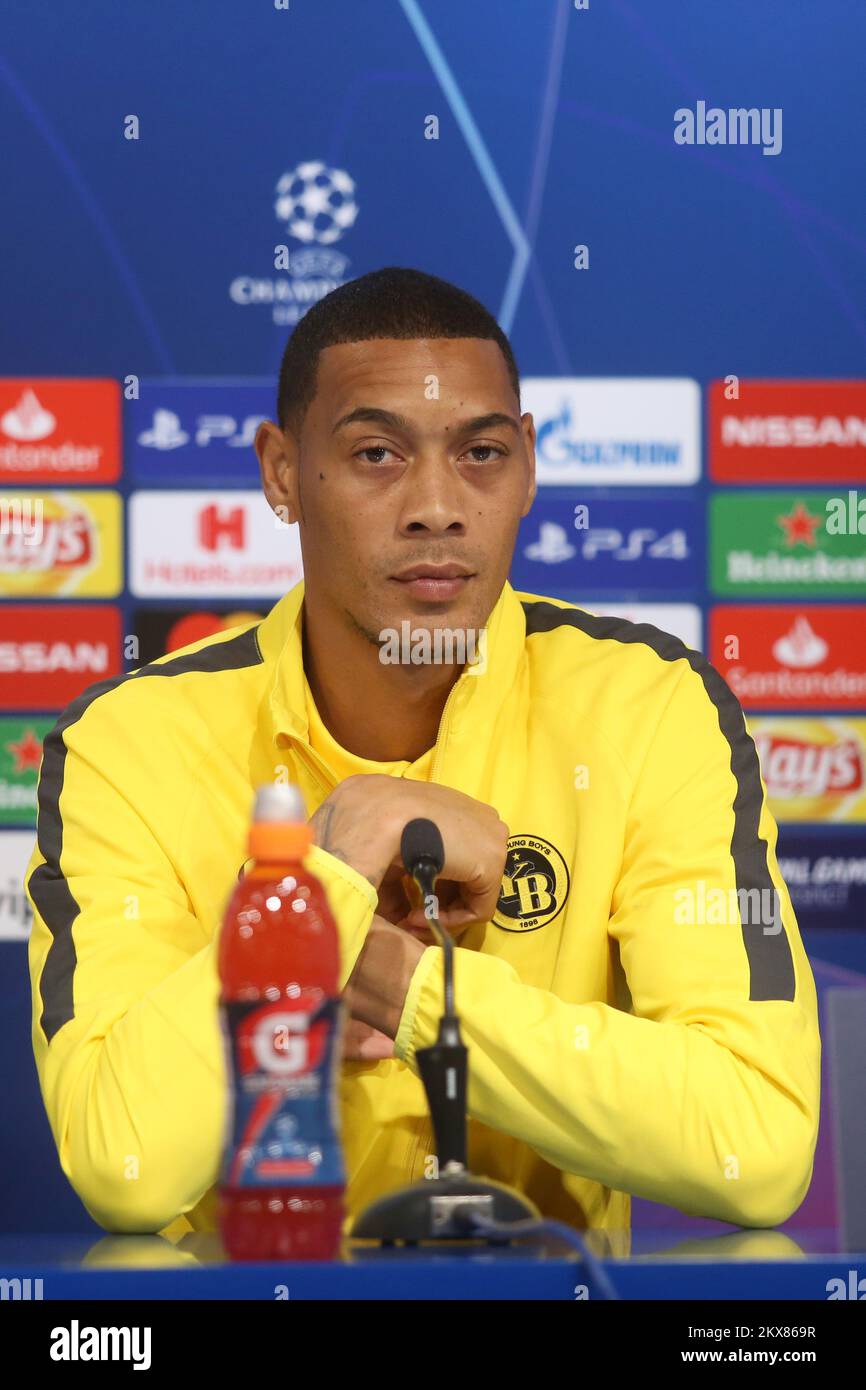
(787, 543)
(20, 757)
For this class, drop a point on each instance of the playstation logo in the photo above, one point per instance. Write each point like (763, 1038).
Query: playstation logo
(552, 546)
(165, 432)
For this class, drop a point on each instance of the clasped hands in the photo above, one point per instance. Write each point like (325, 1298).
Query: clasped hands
(362, 822)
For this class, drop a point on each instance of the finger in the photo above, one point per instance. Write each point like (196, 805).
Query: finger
(428, 937)
(363, 1043)
(450, 918)
(376, 1049)
(480, 897)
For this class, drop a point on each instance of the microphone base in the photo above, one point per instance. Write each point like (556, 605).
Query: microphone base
(425, 1211)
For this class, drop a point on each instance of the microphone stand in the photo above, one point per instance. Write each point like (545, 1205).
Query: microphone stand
(431, 1209)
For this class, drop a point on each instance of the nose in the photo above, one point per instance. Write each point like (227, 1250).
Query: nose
(434, 499)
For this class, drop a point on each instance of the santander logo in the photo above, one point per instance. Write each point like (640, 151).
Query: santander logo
(805, 657)
(28, 419)
(801, 646)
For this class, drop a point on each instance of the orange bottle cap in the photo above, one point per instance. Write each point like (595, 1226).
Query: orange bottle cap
(279, 830)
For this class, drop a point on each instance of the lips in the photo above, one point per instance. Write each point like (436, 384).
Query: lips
(434, 589)
(434, 583)
(433, 572)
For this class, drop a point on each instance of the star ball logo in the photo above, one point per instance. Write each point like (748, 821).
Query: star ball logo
(316, 203)
(534, 885)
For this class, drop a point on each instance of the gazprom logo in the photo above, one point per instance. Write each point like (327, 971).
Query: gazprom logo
(559, 441)
(643, 431)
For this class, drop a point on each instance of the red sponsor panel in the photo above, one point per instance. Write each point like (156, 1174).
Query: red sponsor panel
(791, 656)
(59, 430)
(49, 653)
(788, 431)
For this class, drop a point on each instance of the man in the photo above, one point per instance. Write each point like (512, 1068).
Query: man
(592, 779)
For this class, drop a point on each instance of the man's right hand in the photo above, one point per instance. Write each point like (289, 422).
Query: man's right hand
(362, 822)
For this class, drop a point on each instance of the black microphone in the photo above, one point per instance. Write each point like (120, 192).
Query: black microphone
(423, 855)
(439, 1208)
(422, 850)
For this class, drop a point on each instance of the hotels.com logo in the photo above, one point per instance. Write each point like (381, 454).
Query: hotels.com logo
(218, 527)
(208, 545)
(59, 430)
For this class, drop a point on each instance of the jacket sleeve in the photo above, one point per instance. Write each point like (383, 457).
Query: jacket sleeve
(124, 983)
(705, 1094)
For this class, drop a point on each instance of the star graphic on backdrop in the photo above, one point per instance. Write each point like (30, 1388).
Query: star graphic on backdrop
(800, 525)
(27, 753)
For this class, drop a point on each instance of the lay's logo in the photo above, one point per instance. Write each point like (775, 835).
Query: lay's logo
(54, 544)
(813, 769)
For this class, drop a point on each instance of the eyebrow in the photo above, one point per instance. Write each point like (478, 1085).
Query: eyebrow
(375, 415)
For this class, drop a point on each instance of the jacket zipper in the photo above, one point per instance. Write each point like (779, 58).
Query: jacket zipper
(315, 766)
(441, 735)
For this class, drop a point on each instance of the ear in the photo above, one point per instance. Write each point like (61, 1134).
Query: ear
(277, 452)
(529, 440)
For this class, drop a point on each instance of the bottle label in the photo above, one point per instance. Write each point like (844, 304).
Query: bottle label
(283, 1125)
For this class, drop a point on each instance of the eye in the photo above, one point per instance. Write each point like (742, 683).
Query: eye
(373, 449)
(486, 449)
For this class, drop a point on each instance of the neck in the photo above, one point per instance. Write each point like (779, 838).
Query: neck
(401, 704)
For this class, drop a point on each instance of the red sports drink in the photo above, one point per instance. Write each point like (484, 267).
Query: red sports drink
(282, 1179)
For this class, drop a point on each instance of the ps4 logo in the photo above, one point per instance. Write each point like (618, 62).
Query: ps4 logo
(166, 431)
(554, 546)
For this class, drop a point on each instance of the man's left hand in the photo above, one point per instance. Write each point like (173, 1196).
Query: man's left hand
(376, 990)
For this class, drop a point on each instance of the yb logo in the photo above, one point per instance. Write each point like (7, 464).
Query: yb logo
(534, 885)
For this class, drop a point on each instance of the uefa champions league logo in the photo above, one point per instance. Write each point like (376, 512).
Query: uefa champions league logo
(317, 206)
(316, 203)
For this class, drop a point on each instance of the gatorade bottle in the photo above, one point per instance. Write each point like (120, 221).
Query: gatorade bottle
(282, 1179)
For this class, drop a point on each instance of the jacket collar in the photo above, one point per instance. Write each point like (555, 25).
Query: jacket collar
(472, 704)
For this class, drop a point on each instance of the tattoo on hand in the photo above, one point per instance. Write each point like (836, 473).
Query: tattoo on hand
(325, 838)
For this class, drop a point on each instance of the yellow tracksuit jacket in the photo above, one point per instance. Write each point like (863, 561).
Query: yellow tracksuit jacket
(634, 1023)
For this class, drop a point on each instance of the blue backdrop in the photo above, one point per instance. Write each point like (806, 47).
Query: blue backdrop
(155, 256)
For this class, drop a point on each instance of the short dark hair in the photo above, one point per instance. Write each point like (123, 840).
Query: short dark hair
(395, 302)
